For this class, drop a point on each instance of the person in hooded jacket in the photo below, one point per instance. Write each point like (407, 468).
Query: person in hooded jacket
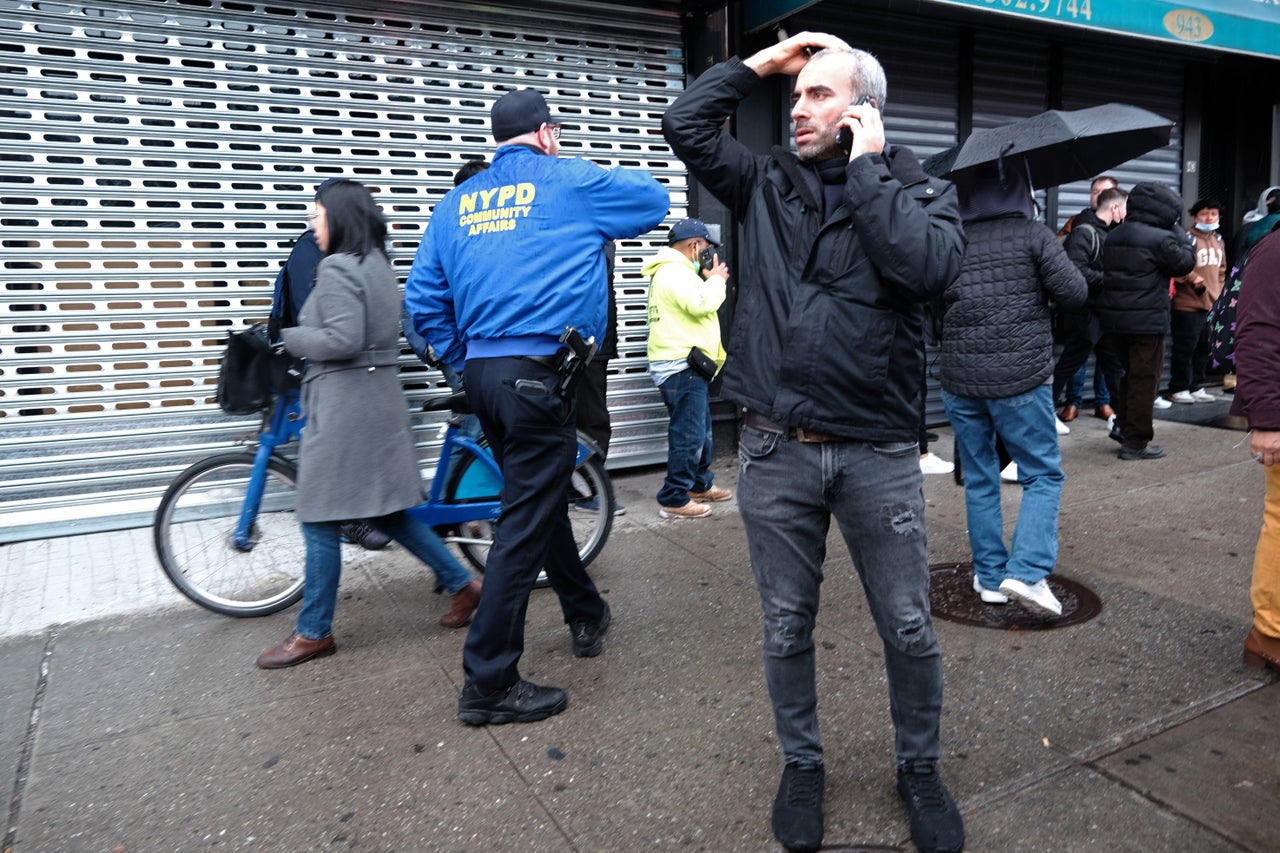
(1139, 258)
(997, 380)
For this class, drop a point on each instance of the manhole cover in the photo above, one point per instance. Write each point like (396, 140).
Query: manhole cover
(951, 597)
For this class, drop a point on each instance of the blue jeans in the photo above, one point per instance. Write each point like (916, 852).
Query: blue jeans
(1075, 388)
(787, 493)
(324, 566)
(689, 449)
(1025, 423)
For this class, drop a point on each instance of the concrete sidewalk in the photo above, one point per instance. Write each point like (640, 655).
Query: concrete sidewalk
(134, 721)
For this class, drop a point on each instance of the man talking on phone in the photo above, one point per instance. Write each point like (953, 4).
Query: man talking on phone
(841, 246)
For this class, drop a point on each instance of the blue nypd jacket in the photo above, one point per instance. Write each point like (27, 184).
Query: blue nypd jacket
(516, 253)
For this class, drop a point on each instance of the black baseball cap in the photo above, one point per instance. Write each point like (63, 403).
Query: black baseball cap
(517, 113)
(686, 229)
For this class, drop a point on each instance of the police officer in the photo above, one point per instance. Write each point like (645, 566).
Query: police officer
(509, 260)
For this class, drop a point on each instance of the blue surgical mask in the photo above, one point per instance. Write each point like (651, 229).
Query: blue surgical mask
(1207, 227)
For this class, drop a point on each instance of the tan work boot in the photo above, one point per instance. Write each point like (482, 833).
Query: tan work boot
(692, 509)
(715, 494)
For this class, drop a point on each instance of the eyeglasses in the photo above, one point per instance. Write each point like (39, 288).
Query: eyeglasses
(555, 130)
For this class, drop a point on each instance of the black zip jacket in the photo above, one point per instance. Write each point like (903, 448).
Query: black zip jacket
(827, 332)
(1139, 257)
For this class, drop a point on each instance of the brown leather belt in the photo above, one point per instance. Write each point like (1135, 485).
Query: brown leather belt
(755, 420)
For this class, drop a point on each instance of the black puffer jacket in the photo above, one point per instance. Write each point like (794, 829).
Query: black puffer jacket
(997, 338)
(1139, 257)
(828, 323)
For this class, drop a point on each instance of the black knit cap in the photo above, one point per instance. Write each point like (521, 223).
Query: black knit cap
(517, 113)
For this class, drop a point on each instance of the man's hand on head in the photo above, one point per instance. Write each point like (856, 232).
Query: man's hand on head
(789, 56)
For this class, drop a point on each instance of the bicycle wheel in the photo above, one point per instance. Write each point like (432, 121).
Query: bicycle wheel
(590, 501)
(194, 534)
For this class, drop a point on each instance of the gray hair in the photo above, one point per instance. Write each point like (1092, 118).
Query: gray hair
(865, 73)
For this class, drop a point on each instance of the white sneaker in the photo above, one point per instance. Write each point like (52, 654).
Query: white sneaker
(1036, 596)
(1063, 429)
(1202, 396)
(1010, 473)
(988, 596)
(1162, 403)
(1181, 397)
(931, 463)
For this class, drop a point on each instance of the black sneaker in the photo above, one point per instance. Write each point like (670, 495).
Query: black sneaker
(1151, 451)
(1116, 435)
(936, 826)
(588, 635)
(797, 809)
(364, 534)
(522, 702)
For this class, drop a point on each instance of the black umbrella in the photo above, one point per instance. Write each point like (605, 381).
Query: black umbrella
(1061, 146)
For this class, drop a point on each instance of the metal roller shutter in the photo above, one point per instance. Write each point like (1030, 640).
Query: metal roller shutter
(999, 96)
(157, 159)
(1089, 78)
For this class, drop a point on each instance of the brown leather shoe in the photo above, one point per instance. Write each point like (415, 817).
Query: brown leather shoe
(1104, 412)
(464, 605)
(296, 649)
(1262, 651)
(1069, 413)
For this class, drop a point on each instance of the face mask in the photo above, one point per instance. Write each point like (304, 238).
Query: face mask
(1206, 226)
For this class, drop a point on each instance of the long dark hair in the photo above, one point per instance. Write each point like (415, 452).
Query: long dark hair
(356, 226)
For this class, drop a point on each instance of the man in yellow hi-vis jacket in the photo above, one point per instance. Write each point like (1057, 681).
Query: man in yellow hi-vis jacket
(684, 355)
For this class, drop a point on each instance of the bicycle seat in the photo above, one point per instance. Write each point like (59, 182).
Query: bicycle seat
(455, 402)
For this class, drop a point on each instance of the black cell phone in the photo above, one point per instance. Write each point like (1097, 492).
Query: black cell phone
(708, 257)
(844, 136)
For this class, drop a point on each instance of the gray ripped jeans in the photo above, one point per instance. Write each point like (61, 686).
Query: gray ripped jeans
(788, 492)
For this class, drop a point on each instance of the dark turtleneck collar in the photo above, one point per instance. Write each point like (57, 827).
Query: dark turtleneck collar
(832, 174)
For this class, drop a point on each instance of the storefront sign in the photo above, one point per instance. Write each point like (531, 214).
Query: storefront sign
(1246, 26)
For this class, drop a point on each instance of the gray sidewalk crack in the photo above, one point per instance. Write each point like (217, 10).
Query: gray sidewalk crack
(28, 745)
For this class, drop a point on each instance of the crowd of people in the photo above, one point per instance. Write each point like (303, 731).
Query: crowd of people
(844, 242)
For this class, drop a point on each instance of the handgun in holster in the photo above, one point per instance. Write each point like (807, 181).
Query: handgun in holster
(572, 360)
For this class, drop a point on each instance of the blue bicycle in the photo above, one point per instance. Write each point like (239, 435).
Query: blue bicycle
(227, 537)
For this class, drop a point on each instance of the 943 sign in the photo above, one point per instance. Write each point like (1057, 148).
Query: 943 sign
(1188, 25)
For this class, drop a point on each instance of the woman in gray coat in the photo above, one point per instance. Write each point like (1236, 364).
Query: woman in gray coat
(357, 456)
